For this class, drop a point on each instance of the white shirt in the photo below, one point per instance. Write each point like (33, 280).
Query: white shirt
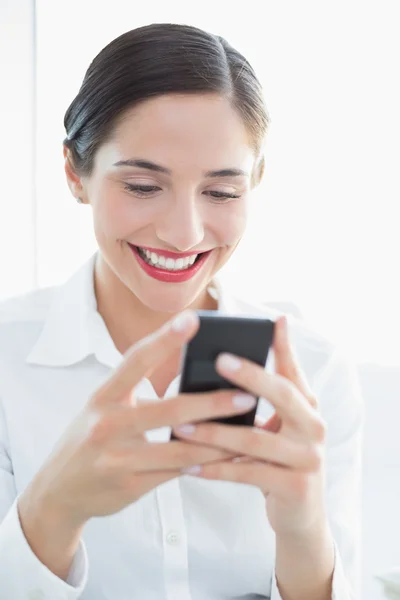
(188, 539)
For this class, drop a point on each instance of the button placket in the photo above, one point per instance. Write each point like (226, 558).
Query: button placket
(176, 566)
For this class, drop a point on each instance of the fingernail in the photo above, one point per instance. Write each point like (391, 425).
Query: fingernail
(193, 470)
(183, 321)
(228, 362)
(187, 429)
(244, 401)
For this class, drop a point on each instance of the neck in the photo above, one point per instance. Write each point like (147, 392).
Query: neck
(127, 319)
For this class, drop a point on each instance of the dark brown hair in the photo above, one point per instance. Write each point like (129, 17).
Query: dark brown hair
(155, 60)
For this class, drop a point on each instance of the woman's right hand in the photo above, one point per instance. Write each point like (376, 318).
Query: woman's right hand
(103, 462)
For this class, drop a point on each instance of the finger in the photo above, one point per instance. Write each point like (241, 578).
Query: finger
(142, 358)
(256, 443)
(287, 363)
(282, 483)
(166, 456)
(183, 409)
(288, 401)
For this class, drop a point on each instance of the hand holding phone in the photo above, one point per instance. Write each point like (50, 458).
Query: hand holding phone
(247, 337)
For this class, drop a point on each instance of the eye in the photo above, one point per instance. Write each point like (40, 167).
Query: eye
(222, 196)
(141, 191)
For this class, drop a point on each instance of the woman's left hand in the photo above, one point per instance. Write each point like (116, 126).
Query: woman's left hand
(283, 457)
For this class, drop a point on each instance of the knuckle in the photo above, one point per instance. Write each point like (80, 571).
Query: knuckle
(280, 446)
(320, 429)
(217, 398)
(209, 434)
(314, 457)
(108, 468)
(105, 466)
(101, 427)
(313, 401)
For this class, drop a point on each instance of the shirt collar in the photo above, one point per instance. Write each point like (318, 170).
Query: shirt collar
(74, 330)
(67, 336)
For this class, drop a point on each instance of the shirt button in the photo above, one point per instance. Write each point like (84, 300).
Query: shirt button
(173, 538)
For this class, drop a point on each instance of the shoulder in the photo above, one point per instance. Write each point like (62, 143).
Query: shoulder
(21, 321)
(32, 306)
(304, 336)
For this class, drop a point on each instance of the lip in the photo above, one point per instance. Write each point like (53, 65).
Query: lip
(170, 276)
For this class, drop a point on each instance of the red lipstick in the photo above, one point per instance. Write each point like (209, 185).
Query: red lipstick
(167, 275)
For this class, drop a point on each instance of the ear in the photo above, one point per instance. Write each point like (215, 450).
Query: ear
(73, 180)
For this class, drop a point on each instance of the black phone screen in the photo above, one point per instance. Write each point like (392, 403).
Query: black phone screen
(247, 337)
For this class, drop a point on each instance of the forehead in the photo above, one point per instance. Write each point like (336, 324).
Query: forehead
(178, 129)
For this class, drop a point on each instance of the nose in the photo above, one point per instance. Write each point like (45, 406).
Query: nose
(181, 225)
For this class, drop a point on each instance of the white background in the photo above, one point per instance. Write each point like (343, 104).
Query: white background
(324, 232)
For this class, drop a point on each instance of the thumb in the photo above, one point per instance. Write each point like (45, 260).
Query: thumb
(144, 356)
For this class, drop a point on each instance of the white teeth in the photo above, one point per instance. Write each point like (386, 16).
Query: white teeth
(168, 263)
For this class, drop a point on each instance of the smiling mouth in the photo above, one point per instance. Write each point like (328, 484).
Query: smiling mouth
(167, 263)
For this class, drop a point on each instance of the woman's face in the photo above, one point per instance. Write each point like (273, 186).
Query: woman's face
(170, 188)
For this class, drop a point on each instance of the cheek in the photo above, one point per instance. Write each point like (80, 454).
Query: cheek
(231, 224)
(115, 216)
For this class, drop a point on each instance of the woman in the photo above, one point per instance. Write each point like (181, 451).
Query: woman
(164, 142)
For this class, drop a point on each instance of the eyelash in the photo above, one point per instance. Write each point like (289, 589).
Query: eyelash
(143, 190)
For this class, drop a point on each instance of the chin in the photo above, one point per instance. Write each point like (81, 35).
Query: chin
(169, 301)
(161, 293)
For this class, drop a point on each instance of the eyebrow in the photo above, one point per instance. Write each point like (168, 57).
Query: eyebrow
(145, 164)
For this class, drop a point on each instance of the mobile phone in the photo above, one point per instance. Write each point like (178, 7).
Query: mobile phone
(247, 337)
